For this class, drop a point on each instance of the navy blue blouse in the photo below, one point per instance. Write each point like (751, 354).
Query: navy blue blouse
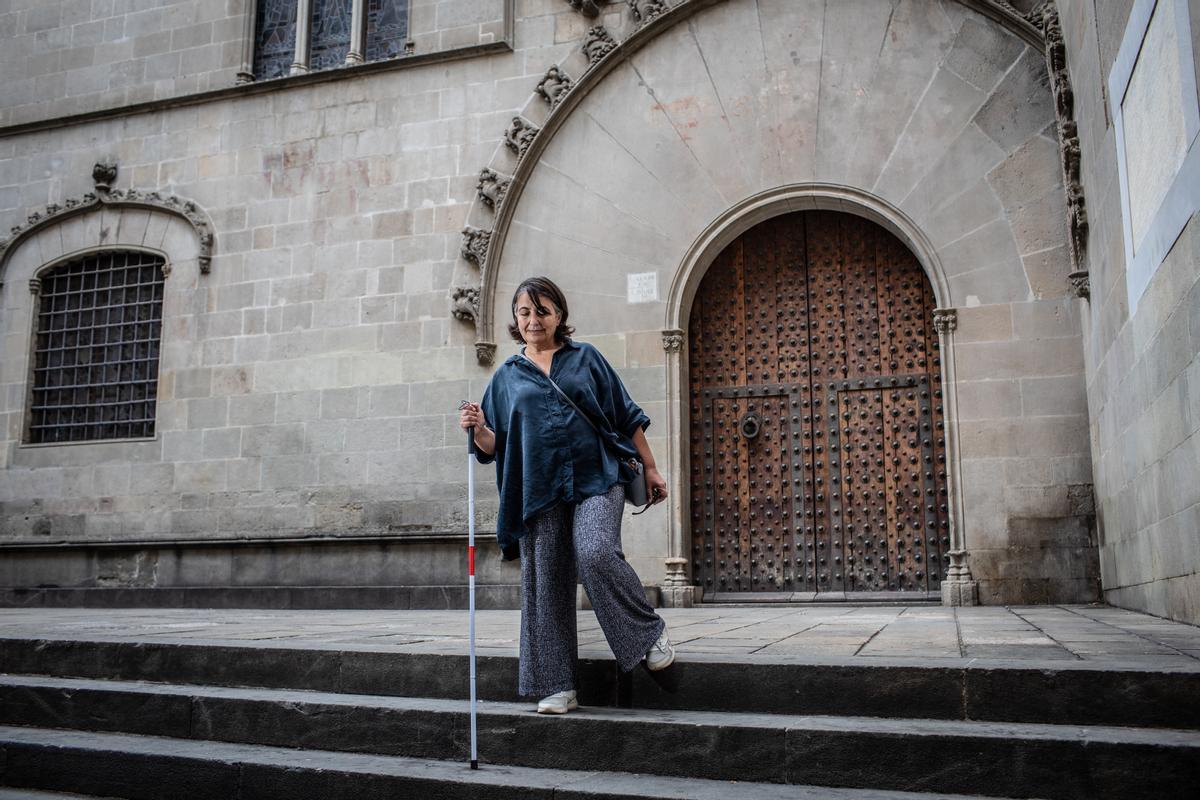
(545, 453)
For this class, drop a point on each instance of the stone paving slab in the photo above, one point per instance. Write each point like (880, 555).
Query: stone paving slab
(1091, 635)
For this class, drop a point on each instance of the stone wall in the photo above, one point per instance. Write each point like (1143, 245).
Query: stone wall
(65, 57)
(309, 381)
(1142, 368)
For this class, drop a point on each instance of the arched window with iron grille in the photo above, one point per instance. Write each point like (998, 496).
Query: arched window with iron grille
(96, 347)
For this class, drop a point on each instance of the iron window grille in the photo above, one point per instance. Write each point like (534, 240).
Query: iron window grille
(96, 347)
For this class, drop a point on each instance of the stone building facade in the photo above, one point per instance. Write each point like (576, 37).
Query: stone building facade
(1141, 172)
(770, 216)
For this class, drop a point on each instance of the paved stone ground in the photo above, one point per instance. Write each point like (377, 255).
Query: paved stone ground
(1094, 635)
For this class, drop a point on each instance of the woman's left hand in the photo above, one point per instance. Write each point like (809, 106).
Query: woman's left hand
(656, 485)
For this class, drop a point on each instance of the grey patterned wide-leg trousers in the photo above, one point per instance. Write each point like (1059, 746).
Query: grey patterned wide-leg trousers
(561, 539)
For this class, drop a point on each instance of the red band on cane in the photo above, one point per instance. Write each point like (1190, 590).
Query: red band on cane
(470, 560)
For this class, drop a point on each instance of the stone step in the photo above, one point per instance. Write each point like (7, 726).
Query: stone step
(33, 794)
(452, 596)
(1066, 762)
(1048, 692)
(136, 767)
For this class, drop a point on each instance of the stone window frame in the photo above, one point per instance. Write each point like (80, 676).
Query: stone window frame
(117, 221)
(1182, 198)
(37, 288)
(303, 41)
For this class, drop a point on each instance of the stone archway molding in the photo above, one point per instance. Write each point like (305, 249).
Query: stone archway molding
(782, 200)
(958, 588)
(489, 244)
(104, 197)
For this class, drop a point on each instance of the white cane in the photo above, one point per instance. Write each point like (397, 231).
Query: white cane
(471, 579)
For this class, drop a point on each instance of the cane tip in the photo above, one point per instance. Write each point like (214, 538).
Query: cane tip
(474, 764)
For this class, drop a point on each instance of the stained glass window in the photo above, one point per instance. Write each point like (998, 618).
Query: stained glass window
(330, 33)
(95, 373)
(387, 28)
(275, 42)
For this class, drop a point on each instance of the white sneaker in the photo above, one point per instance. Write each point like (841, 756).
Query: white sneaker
(661, 655)
(559, 703)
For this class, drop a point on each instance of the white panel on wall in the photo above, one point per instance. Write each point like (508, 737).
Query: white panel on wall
(1156, 114)
(1155, 128)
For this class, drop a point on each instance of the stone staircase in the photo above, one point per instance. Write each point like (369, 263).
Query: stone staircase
(161, 720)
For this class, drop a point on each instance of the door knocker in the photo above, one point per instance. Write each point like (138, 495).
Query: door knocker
(750, 425)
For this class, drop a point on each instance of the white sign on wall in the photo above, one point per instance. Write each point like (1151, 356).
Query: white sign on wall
(642, 287)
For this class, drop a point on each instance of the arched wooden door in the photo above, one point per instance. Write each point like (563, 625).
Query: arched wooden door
(817, 449)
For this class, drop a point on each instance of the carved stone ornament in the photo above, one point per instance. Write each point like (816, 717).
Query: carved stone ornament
(597, 44)
(554, 85)
(491, 187)
(116, 198)
(464, 303)
(475, 244)
(485, 353)
(646, 10)
(520, 135)
(1080, 284)
(672, 341)
(945, 320)
(589, 8)
(105, 175)
(1045, 18)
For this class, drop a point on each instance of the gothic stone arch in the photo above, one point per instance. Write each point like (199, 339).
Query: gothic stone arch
(930, 110)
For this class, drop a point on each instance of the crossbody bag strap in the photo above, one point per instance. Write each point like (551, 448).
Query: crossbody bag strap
(580, 412)
(558, 388)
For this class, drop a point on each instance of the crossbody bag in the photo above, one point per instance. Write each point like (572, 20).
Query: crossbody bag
(636, 492)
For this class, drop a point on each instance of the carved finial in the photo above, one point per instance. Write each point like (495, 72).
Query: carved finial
(475, 244)
(554, 85)
(485, 353)
(646, 10)
(1037, 15)
(105, 175)
(206, 248)
(589, 8)
(672, 340)
(520, 135)
(597, 44)
(1080, 284)
(491, 187)
(945, 319)
(464, 303)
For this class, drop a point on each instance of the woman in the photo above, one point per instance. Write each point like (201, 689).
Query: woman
(562, 495)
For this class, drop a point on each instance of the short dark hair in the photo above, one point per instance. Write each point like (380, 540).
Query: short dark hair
(538, 289)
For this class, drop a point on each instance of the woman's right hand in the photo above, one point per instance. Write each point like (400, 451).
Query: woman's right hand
(471, 416)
